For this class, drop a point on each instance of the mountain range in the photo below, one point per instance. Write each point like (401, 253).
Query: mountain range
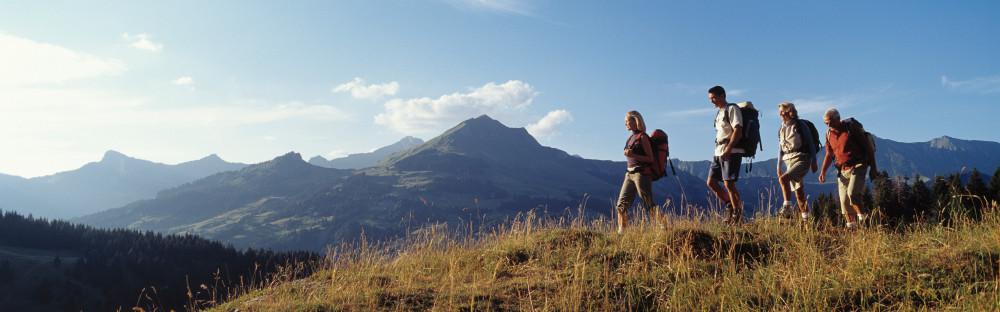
(113, 181)
(477, 173)
(365, 160)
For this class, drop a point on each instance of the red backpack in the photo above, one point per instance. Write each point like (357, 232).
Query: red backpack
(661, 154)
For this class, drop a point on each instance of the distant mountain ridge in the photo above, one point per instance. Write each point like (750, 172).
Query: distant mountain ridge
(115, 180)
(478, 172)
(365, 160)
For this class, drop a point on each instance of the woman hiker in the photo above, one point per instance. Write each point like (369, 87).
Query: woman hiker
(639, 154)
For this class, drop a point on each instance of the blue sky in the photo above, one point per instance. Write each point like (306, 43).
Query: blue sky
(250, 80)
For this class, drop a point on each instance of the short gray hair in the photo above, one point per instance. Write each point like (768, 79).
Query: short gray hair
(832, 113)
(786, 106)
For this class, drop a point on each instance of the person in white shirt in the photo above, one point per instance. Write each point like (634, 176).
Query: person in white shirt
(726, 160)
(798, 156)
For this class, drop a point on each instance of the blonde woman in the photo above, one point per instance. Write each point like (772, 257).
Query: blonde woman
(638, 178)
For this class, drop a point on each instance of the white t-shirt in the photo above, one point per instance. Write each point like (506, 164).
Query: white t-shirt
(790, 140)
(724, 130)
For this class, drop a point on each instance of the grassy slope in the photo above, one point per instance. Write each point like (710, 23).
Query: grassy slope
(690, 265)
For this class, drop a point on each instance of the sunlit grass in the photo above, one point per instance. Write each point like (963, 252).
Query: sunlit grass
(688, 264)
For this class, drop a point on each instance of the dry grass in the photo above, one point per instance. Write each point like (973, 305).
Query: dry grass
(690, 264)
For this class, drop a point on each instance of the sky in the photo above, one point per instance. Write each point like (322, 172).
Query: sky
(174, 81)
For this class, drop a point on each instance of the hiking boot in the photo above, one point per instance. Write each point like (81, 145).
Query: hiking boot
(727, 214)
(733, 217)
(786, 211)
(805, 217)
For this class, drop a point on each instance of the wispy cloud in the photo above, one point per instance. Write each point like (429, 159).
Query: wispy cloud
(142, 42)
(819, 104)
(692, 112)
(548, 126)
(334, 154)
(517, 7)
(186, 81)
(702, 88)
(360, 90)
(981, 85)
(429, 115)
(26, 62)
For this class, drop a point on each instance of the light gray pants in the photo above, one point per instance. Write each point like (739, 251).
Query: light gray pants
(636, 182)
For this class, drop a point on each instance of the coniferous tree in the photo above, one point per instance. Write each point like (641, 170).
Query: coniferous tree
(904, 200)
(942, 198)
(884, 199)
(975, 203)
(976, 186)
(994, 188)
(921, 198)
(955, 184)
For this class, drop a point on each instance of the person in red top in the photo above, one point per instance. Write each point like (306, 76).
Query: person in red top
(638, 178)
(848, 143)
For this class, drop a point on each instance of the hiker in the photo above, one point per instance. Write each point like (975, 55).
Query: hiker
(854, 151)
(638, 178)
(797, 142)
(726, 161)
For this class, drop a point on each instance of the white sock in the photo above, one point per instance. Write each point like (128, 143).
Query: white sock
(861, 217)
(805, 215)
(850, 225)
(788, 203)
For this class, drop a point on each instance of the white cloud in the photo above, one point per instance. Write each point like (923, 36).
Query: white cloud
(63, 128)
(693, 112)
(517, 7)
(48, 123)
(184, 81)
(735, 92)
(982, 85)
(817, 105)
(427, 115)
(548, 126)
(334, 154)
(142, 42)
(359, 90)
(24, 62)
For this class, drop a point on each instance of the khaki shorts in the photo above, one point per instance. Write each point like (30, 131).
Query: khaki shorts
(796, 169)
(851, 185)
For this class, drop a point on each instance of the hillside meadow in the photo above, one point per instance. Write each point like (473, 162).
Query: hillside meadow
(675, 263)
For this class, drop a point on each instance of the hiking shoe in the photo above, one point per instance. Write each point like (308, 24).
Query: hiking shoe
(735, 217)
(727, 214)
(805, 216)
(787, 211)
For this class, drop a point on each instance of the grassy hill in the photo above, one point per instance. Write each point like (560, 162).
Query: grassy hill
(688, 264)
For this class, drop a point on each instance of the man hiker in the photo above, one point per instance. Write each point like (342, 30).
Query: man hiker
(854, 151)
(797, 150)
(726, 161)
